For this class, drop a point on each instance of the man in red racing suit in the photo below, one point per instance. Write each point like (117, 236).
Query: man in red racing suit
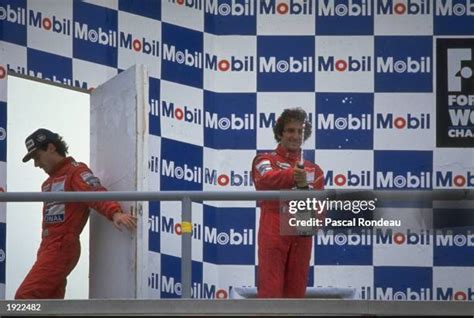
(62, 222)
(283, 260)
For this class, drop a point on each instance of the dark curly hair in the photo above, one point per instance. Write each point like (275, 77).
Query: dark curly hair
(60, 144)
(292, 114)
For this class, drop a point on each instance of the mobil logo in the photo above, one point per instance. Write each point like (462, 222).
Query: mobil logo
(348, 178)
(229, 64)
(404, 121)
(99, 35)
(350, 237)
(345, 64)
(53, 23)
(408, 180)
(451, 179)
(407, 7)
(454, 239)
(139, 44)
(231, 179)
(232, 122)
(13, 14)
(185, 56)
(230, 237)
(184, 113)
(171, 287)
(286, 7)
(290, 64)
(389, 293)
(181, 172)
(333, 8)
(456, 8)
(408, 237)
(346, 122)
(230, 8)
(403, 169)
(451, 293)
(170, 226)
(408, 64)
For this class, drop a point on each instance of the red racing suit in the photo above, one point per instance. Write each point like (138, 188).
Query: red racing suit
(62, 224)
(283, 261)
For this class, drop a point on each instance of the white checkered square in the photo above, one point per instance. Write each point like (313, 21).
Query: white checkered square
(140, 42)
(358, 277)
(219, 279)
(410, 244)
(230, 63)
(182, 113)
(453, 283)
(51, 26)
(269, 108)
(413, 17)
(402, 117)
(344, 64)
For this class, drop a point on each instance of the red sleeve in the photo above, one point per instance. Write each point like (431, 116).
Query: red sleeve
(83, 179)
(266, 177)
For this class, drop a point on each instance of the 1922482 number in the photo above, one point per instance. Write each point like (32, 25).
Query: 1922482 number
(23, 307)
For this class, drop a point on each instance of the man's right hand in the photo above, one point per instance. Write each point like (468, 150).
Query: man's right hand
(300, 177)
(122, 219)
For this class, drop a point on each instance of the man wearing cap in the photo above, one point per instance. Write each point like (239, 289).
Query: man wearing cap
(62, 222)
(283, 260)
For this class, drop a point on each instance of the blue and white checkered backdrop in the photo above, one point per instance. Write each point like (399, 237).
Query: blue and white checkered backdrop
(388, 85)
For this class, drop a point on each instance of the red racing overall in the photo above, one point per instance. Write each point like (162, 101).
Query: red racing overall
(283, 261)
(62, 224)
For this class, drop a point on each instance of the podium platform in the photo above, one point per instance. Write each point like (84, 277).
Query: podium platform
(311, 292)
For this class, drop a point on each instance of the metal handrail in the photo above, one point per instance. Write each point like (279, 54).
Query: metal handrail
(187, 197)
(389, 195)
